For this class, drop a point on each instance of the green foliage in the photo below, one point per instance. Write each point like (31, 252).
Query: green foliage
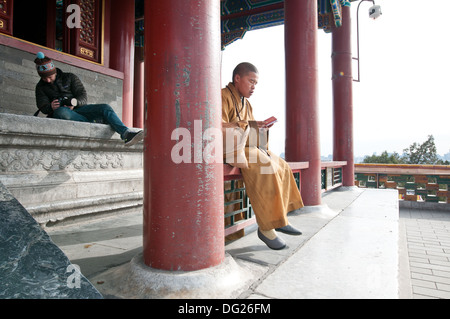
(384, 158)
(424, 153)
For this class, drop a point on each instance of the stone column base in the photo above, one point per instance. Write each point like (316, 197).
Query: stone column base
(137, 281)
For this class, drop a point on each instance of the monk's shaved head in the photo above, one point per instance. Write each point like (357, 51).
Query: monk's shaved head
(243, 69)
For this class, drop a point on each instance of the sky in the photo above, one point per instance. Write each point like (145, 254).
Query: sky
(403, 94)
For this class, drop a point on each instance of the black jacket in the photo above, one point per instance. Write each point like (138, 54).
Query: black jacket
(66, 85)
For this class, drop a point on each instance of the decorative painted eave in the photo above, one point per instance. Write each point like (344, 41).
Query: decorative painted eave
(330, 14)
(240, 16)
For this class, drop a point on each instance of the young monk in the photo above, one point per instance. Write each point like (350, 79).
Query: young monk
(269, 181)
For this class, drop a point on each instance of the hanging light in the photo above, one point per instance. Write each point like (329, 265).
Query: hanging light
(374, 13)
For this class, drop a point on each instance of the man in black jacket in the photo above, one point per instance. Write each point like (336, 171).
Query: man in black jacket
(62, 96)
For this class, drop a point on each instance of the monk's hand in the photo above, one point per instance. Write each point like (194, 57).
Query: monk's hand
(262, 124)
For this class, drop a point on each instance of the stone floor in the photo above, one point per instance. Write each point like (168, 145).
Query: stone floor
(428, 239)
(359, 244)
(352, 251)
(349, 249)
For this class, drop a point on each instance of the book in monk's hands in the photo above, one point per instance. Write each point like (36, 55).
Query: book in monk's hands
(270, 121)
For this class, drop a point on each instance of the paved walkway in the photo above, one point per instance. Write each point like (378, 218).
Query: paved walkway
(349, 250)
(428, 239)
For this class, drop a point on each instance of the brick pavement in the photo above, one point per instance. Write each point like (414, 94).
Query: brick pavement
(428, 239)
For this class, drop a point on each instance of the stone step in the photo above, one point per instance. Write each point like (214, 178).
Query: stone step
(54, 167)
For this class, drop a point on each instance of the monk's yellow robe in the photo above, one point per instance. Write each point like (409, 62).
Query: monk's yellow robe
(269, 180)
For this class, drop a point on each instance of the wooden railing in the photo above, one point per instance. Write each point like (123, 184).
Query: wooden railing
(418, 183)
(332, 175)
(238, 209)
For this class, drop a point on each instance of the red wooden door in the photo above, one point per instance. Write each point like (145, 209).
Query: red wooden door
(85, 42)
(6, 19)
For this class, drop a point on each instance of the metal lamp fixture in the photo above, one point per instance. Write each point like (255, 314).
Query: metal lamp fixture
(374, 13)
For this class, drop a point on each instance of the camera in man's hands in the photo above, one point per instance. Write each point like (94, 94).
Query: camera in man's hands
(68, 102)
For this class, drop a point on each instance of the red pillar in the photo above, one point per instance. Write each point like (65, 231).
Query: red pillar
(122, 51)
(139, 89)
(183, 203)
(343, 97)
(302, 113)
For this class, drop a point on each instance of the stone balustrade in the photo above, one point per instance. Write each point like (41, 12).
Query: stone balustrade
(63, 170)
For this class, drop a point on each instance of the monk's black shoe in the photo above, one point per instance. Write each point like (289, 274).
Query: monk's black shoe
(275, 244)
(289, 230)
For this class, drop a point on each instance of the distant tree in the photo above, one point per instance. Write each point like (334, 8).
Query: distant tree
(424, 153)
(384, 158)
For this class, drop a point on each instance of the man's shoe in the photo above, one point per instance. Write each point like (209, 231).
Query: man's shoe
(289, 230)
(275, 244)
(132, 138)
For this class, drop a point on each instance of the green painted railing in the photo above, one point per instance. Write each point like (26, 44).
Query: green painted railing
(238, 209)
(419, 183)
